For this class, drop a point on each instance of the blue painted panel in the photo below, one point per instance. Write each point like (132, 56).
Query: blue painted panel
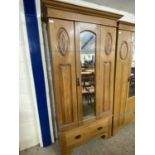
(29, 7)
(37, 68)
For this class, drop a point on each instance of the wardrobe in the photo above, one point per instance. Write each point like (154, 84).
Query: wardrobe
(83, 48)
(124, 92)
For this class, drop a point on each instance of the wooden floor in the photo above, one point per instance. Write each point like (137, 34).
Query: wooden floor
(123, 143)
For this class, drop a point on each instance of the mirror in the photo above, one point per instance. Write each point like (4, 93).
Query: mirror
(87, 59)
(132, 74)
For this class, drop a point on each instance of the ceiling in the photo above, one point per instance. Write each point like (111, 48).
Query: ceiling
(124, 5)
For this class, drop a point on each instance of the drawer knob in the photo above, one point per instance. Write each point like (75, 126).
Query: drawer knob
(78, 137)
(100, 128)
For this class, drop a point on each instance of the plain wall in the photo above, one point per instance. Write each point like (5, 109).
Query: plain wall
(28, 129)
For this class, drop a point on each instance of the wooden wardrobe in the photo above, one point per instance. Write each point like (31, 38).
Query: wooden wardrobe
(124, 96)
(82, 44)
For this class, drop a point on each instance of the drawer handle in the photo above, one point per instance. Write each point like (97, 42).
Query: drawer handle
(99, 128)
(78, 137)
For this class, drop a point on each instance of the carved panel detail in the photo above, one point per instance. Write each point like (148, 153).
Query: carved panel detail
(124, 50)
(106, 85)
(63, 41)
(65, 75)
(108, 43)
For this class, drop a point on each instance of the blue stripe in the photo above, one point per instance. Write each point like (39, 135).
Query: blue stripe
(37, 68)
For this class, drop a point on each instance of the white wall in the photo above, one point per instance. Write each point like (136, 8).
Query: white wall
(127, 16)
(46, 69)
(28, 128)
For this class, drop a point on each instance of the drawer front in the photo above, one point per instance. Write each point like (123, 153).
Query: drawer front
(74, 138)
(97, 129)
(82, 134)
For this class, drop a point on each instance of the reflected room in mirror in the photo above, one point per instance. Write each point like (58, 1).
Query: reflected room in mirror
(132, 74)
(87, 58)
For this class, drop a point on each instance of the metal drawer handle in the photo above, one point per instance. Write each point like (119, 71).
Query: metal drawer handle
(78, 137)
(100, 128)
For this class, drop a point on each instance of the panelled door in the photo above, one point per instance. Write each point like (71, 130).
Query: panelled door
(62, 48)
(107, 63)
(87, 69)
(83, 57)
(123, 67)
(95, 61)
(130, 105)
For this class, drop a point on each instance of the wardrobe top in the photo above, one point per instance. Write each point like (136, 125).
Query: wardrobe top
(63, 6)
(122, 25)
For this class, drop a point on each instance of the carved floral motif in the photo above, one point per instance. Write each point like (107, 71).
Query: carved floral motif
(63, 41)
(108, 43)
(124, 50)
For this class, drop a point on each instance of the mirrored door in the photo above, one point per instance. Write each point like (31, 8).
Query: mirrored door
(87, 48)
(87, 61)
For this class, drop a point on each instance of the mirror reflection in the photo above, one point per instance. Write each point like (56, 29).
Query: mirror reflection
(87, 58)
(132, 74)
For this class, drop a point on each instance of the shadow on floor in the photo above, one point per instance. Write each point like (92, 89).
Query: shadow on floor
(123, 143)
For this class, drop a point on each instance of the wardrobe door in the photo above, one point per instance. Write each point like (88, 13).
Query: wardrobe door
(130, 105)
(123, 67)
(87, 61)
(107, 62)
(61, 38)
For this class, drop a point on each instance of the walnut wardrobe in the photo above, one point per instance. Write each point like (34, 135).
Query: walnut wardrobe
(82, 43)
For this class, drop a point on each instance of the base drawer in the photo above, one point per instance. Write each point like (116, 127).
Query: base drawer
(74, 138)
(97, 129)
(80, 135)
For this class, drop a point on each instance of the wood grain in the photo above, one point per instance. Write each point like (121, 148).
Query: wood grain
(123, 69)
(122, 25)
(130, 110)
(80, 135)
(65, 22)
(59, 5)
(106, 71)
(64, 73)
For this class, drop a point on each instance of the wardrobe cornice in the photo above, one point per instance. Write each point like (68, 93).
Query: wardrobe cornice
(127, 26)
(59, 9)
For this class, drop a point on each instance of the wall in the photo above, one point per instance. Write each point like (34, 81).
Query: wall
(126, 16)
(47, 71)
(28, 128)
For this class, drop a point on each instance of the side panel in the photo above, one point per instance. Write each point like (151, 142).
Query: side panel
(61, 38)
(107, 60)
(123, 63)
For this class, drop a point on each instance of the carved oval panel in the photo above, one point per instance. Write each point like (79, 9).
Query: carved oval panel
(108, 43)
(63, 41)
(124, 50)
